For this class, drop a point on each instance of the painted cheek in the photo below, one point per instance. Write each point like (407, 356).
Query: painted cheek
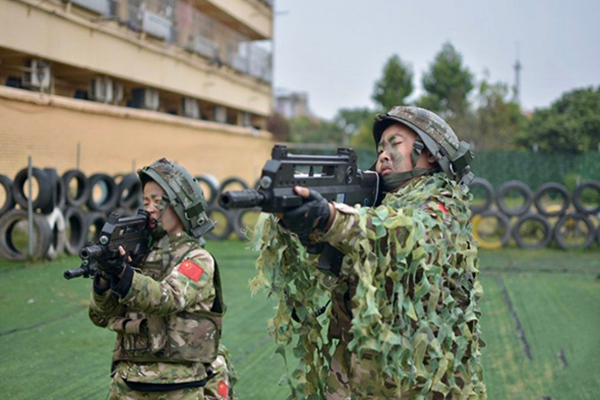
(397, 157)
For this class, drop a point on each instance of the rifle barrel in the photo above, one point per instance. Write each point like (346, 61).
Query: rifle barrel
(247, 198)
(93, 251)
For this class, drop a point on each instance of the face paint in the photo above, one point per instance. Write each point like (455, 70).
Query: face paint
(396, 156)
(396, 160)
(158, 231)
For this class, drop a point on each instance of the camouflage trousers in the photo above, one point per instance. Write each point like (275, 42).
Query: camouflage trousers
(120, 391)
(350, 379)
(219, 387)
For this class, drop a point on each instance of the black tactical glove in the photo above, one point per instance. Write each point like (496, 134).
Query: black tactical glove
(304, 219)
(112, 267)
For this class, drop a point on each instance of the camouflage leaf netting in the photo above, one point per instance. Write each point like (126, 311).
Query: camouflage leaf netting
(415, 310)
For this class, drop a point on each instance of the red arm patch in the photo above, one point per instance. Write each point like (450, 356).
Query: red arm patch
(441, 207)
(191, 270)
(223, 390)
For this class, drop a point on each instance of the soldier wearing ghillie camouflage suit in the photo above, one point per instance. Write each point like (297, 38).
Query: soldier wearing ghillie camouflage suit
(404, 309)
(167, 311)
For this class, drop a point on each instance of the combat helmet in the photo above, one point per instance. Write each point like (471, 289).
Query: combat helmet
(184, 193)
(453, 156)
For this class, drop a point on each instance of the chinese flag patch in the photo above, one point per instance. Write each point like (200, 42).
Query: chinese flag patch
(223, 390)
(191, 270)
(441, 207)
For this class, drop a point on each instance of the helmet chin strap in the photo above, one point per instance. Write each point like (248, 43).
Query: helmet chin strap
(393, 181)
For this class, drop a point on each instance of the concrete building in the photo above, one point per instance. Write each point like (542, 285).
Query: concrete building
(131, 81)
(292, 104)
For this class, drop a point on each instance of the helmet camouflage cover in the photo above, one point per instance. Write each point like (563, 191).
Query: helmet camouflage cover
(184, 193)
(453, 156)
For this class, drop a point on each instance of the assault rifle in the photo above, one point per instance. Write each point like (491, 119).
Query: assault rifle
(335, 177)
(131, 233)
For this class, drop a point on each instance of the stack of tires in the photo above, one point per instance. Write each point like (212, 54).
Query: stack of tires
(229, 223)
(532, 220)
(68, 210)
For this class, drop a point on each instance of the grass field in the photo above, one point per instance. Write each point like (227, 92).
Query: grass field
(50, 350)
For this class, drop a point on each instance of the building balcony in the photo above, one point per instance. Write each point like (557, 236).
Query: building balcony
(168, 45)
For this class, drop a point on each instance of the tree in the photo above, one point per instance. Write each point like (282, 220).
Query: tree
(315, 130)
(279, 126)
(395, 85)
(447, 84)
(351, 119)
(570, 124)
(497, 119)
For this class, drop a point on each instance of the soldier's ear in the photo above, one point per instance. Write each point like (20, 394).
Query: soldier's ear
(429, 156)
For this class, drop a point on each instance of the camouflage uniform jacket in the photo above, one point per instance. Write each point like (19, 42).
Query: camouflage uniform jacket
(408, 295)
(168, 323)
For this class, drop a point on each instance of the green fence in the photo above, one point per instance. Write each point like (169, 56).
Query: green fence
(534, 169)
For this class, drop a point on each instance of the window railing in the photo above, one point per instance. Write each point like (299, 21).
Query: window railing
(178, 22)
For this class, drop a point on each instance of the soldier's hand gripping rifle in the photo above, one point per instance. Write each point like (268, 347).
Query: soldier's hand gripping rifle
(335, 177)
(131, 233)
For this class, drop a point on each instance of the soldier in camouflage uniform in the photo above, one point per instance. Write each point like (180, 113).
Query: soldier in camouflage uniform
(404, 309)
(167, 311)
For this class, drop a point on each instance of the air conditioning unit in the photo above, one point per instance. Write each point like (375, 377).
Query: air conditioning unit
(190, 108)
(37, 75)
(220, 114)
(101, 90)
(146, 98)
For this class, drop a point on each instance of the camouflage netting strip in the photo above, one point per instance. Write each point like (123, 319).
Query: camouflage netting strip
(287, 271)
(428, 338)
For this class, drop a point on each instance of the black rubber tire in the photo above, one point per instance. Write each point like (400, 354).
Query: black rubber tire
(520, 187)
(83, 187)
(108, 202)
(560, 226)
(232, 182)
(44, 197)
(220, 215)
(503, 222)
(41, 235)
(9, 201)
(58, 197)
(76, 230)
(547, 188)
(130, 192)
(547, 231)
(57, 224)
(578, 192)
(94, 220)
(489, 190)
(212, 184)
(240, 228)
(118, 178)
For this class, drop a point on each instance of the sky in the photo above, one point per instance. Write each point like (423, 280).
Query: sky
(335, 50)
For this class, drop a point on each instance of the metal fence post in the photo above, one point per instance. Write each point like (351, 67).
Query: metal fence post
(78, 154)
(30, 204)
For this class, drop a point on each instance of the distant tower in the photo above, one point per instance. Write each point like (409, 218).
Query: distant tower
(517, 87)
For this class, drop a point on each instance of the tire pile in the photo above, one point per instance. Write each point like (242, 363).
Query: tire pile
(70, 210)
(534, 220)
(230, 223)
